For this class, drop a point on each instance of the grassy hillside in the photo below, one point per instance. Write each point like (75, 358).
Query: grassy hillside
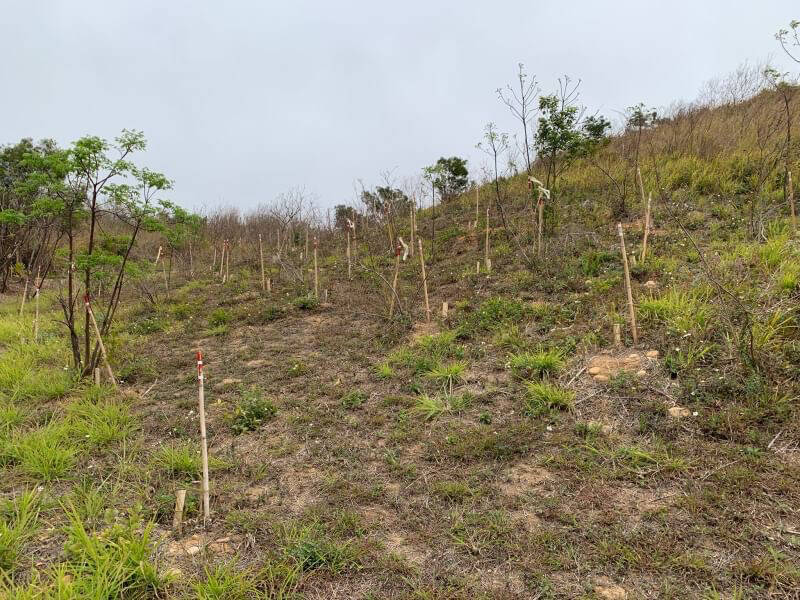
(509, 450)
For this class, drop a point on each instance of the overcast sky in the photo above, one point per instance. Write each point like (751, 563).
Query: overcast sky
(241, 101)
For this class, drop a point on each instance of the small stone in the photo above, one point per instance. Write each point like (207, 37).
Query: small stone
(595, 370)
(652, 354)
(255, 363)
(192, 550)
(633, 356)
(641, 373)
(678, 412)
(650, 284)
(601, 378)
(610, 591)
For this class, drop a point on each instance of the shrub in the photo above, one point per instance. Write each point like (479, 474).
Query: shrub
(306, 302)
(219, 317)
(252, 410)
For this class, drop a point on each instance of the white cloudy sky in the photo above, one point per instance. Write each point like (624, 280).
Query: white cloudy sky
(241, 101)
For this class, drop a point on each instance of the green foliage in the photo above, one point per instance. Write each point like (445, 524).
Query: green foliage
(493, 314)
(528, 364)
(592, 262)
(252, 410)
(181, 461)
(680, 310)
(311, 549)
(102, 423)
(18, 524)
(225, 581)
(44, 454)
(306, 302)
(449, 176)
(448, 375)
(219, 317)
(542, 397)
(353, 399)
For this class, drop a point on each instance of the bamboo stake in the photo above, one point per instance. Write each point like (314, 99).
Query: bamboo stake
(166, 278)
(394, 281)
(228, 263)
(540, 224)
(316, 269)
(222, 262)
(214, 262)
(424, 282)
(641, 183)
(177, 518)
(486, 244)
(478, 267)
(203, 440)
(791, 204)
(24, 295)
(631, 311)
(413, 223)
(158, 256)
(445, 309)
(38, 285)
(305, 257)
(97, 375)
(349, 259)
(646, 227)
(261, 257)
(617, 335)
(477, 207)
(99, 340)
(269, 285)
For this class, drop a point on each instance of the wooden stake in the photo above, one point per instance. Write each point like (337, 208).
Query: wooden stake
(203, 441)
(228, 263)
(37, 284)
(478, 267)
(97, 375)
(269, 285)
(445, 309)
(191, 261)
(631, 311)
(397, 251)
(791, 203)
(413, 223)
(540, 218)
(99, 340)
(158, 255)
(166, 278)
(486, 243)
(177, 518)
(646, 227)
(617, 335)
(214, 262)
(261, 257)
(222, 262)
(316, 269)
(641, 184)
(24, 295)
(424, 282)
(477, 207)
(349, 258)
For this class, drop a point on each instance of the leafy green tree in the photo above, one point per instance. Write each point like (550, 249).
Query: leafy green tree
(27, 216)
(449, 176)
(563, 134)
